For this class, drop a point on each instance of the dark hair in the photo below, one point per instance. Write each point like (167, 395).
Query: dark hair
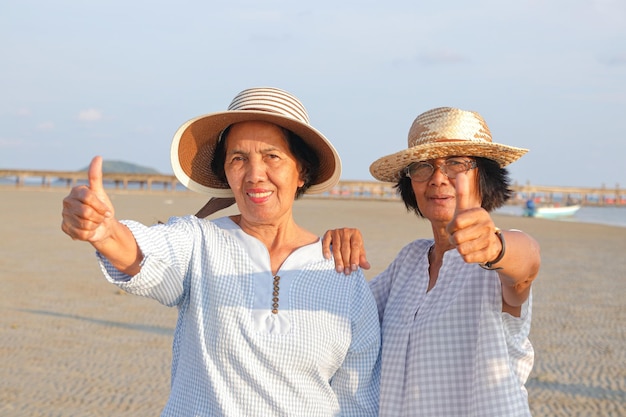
(493, 185)
(304, 154)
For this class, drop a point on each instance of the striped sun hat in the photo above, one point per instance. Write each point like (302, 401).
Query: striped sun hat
(195, 141)
(444, 132)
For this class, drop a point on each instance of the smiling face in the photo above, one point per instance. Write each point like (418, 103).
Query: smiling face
(436, 197)
(261, 171)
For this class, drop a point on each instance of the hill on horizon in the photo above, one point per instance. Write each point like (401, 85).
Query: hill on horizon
(122, 167)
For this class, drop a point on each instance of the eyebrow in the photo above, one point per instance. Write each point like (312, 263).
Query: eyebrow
(263, 151)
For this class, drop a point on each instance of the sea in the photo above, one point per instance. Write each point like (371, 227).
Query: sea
(608, 215)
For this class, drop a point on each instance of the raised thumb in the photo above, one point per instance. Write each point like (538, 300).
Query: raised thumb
(463, 200)
(95, 175)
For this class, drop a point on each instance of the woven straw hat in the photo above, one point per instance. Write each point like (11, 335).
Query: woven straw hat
(195, 141)
(444, 132)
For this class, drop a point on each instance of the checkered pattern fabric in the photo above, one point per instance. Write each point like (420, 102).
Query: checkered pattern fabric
(228, 359)
(449, 351)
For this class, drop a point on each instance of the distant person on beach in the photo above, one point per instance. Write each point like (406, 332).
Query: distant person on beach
(455, 310)
(531, 208)
(266, 326)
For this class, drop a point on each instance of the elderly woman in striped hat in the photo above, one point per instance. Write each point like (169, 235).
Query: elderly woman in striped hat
(455, 309)
(266, 326)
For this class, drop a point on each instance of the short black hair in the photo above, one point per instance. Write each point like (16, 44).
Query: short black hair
(493, 186)
(304, 154)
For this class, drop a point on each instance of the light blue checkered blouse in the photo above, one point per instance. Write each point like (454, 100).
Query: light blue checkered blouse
(231, 356)
(450, 351)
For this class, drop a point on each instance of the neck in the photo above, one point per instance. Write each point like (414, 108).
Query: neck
(279, 239)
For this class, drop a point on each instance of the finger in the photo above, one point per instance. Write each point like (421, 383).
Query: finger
(462, 187)
(331, 247)
(357, 251)
(336, 247)
(362, 260)
(81, 209)
(96, 186)
(326, 242)
(348, 247)
(77, 229)
(95, 175)
(462, 201)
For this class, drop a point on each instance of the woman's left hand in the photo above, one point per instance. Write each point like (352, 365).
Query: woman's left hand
(347, 248)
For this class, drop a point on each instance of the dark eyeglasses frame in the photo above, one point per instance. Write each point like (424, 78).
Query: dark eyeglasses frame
(468, 164)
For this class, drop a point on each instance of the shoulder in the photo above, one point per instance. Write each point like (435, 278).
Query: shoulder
(404, 263)
(322, 271)
(188, 231)
(192, 222)
(414, 248)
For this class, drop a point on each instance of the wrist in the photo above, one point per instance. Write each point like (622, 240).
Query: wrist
(490, 265)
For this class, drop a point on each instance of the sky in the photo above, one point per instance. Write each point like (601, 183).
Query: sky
(117, 78)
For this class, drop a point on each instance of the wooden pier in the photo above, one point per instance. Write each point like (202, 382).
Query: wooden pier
(554, 195)
(345, 189)
(72, 178)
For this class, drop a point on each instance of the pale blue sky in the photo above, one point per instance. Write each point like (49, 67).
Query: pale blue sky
(117, 78)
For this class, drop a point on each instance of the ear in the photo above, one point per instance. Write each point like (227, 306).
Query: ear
(301, 174)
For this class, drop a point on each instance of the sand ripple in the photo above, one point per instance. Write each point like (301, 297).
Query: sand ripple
(72, 345)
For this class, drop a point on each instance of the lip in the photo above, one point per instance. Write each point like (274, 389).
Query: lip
(259, 195)
(441, 198)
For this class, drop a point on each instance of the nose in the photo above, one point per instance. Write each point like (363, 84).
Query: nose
(438, 176)
(255, 170)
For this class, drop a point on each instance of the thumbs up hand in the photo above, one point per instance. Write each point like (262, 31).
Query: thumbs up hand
(87, 211)
(472, 230)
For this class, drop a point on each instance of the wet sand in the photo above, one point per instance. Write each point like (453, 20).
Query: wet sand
(73, 345)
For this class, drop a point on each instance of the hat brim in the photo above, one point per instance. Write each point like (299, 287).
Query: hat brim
(194, 144)
(389, 168)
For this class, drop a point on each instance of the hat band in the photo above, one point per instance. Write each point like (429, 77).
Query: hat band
(271, 103)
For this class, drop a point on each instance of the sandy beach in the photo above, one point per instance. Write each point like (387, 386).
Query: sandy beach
(73, 345)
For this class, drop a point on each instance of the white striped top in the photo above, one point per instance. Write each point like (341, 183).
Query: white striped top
(229, 359)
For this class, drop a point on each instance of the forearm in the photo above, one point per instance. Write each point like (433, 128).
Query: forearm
(520, 266)
(121, 249)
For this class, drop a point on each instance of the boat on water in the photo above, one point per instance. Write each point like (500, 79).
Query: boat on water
(552, 212)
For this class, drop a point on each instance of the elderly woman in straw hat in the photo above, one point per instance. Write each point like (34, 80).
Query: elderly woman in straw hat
(266, 325)
(455, 310)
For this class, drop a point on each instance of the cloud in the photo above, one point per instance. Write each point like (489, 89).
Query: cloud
(90, 115)
(23, 112)
(45, 126)
(11, 143)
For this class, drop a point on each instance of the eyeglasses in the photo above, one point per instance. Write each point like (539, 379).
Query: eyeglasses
(422, 171)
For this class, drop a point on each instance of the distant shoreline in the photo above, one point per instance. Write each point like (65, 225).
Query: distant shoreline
(613, 215)
(346, 190)
(47, 177)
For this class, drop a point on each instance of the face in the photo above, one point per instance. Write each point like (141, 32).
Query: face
(436, 197)
(261, 171)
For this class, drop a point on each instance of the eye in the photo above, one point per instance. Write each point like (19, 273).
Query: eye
(273, 157)
(455, 162)
(420, 167)
(237, 158)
